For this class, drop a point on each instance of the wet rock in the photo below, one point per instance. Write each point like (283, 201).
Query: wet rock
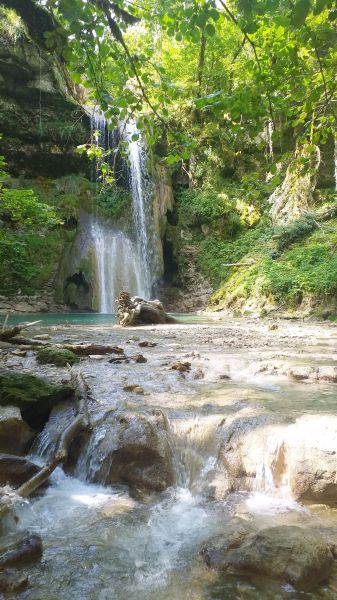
(311, 455)
(243, 449)
(16, 470)
(42, 337)
(134, 388)
(216, 550)
(56, 356)
(260, 450)
(24, 549)
(15, 435)
(19, 352)
(302, 373)
(34, 397)
(139, 358)
(199, 374)
(11, 582)
(324, 374)
(96, 357)
(290, 554)
(147, 344)
(129, 448)
(182, 367)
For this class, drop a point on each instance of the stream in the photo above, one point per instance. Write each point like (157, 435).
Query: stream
(104, 542)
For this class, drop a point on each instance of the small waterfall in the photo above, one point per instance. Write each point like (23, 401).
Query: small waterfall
(125, 262)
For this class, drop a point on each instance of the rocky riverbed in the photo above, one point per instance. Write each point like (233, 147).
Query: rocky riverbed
(211, 446)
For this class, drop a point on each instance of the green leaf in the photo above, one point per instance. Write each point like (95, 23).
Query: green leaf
(210, 29)
(300, 12)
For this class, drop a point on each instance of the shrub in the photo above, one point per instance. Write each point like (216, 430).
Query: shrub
(113, 201)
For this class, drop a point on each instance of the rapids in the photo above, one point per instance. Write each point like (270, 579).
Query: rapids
(105, 542)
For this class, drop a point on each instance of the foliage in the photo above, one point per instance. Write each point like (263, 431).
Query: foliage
(113, 201)
(295, 231)
(21, 209)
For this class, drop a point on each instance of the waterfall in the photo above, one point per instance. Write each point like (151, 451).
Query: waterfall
(125, 261)
(118, 266)
(141, 205)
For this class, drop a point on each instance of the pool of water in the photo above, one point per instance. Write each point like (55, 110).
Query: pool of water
(52, 319)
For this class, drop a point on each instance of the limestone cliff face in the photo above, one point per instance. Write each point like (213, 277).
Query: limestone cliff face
(41, 124)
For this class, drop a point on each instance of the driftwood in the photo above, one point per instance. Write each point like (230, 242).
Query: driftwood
(136, 311)
(7, 333)
(87, 349)
(246, 264)
(78, 424)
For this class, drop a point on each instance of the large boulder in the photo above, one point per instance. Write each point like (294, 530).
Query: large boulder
(289, 554)
(16, 470)
(25, 548)
(262, 452)
(129, 448)
(15, 435)
(34, 397)
(311, 458)
(245, 445)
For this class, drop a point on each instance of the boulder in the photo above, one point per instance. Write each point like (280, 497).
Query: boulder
(216, 550)
(262, 452)
(311, 456)
(244, 448)
(16, 470)
(12, 581)
(23, 549)
(129, 448)
(15, 435)
(34, 397)
(289, 554)
(56, 356)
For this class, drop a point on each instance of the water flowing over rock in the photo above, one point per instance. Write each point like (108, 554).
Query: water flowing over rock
(130, 448)
(297, 460)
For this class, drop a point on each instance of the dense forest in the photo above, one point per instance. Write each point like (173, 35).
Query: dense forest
(237, 104)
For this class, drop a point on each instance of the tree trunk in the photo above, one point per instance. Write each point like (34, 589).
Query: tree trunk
(135, 311)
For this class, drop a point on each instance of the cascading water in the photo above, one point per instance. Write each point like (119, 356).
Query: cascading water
(125, 262)
(142, 206)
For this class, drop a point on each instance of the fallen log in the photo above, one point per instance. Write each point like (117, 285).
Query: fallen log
(77, 425)
(241, 264)
(7, 333)
(136, 311)
(87, 349)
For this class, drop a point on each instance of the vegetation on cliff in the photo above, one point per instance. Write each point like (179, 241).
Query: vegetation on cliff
(237, 100)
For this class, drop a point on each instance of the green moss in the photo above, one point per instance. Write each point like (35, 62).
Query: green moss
(113, 202)
(35, 397)
(56, 356)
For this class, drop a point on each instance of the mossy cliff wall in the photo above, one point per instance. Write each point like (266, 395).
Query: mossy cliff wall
(41, 124)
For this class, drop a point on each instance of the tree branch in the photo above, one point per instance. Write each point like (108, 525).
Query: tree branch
(250, 41)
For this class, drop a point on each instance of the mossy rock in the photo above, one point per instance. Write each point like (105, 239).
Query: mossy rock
(34, 397)
(56, 356)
